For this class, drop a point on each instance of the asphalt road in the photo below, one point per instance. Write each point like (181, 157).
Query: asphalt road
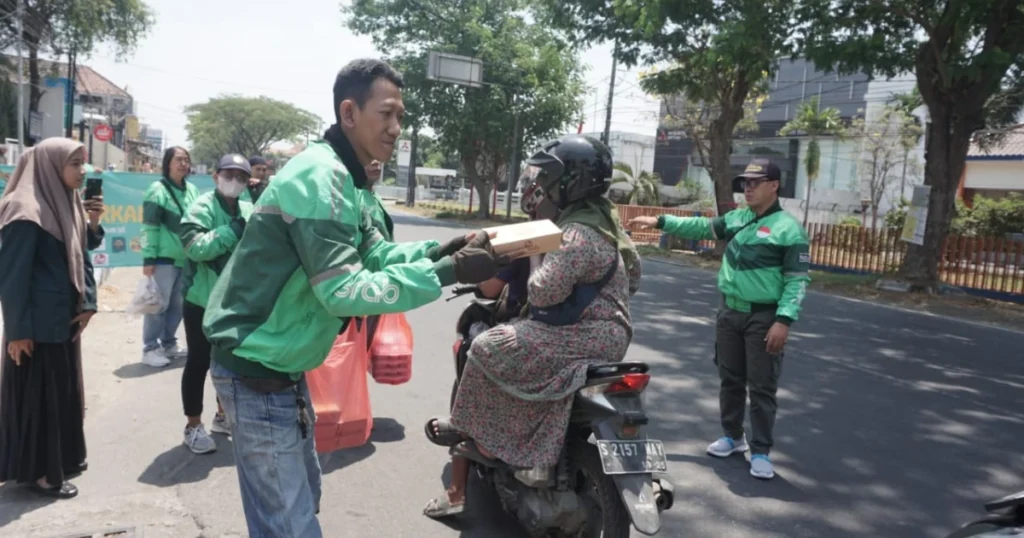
(892, 423)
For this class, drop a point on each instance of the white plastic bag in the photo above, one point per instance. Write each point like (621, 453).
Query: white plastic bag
(147, 298)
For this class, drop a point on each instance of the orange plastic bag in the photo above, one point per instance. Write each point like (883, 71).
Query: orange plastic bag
(391, 350)
(339, 392)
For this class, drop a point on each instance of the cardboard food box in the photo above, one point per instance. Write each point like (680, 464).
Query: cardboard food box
(536, 236)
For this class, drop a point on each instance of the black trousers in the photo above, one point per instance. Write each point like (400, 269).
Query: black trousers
(745, 366)
(193, 377)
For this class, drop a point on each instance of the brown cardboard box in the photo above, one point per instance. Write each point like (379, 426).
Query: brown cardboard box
(536, 236)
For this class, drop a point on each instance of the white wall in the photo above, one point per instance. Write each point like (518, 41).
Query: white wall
(995, 175)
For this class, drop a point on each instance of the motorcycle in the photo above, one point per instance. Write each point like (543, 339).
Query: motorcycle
(603, 481)
(1005, 519)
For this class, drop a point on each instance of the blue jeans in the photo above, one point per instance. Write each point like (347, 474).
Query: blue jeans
(278, 470)
(160, 329)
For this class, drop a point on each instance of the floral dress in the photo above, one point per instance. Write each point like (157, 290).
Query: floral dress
(517, 389)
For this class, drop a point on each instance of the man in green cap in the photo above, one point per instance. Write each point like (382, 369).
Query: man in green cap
(763, 280)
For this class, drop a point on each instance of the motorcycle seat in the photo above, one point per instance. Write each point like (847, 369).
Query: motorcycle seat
(616, 368)
(1014, 500)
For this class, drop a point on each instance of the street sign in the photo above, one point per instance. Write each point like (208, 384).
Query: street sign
(404, 152)
(455, 69)
(103, 132)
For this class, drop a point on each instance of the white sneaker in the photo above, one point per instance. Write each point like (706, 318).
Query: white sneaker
(761, 467)
(220, 425)
(198, 441)
(725, 447)
(155, 358)
(175, 352)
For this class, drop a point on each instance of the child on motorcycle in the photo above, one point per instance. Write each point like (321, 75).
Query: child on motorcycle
(517, 388)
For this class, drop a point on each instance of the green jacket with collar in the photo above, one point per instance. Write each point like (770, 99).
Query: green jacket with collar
(766, 263)
(309, 258)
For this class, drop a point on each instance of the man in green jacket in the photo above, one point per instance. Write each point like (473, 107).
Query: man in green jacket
(210, 233)
(309, 258)
(763, 280)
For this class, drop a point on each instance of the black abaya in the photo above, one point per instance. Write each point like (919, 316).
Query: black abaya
(41, 415)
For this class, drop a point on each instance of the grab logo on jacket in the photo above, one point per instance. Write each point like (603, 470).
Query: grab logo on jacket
(369, 292)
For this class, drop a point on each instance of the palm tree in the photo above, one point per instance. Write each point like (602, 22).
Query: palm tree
(646, 185)
(815, 123)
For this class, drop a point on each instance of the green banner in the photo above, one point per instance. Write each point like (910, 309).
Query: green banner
(122, 219)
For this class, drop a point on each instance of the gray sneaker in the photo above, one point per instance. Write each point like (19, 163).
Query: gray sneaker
(175, 352)
(220, 425)
(155, 358)
(725, 447)
(761, 467)
(198, 441)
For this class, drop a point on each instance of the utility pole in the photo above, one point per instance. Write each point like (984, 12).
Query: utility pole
(611, 94)
(21, 79)
(513, 162)
(69, 105)
(410, 188)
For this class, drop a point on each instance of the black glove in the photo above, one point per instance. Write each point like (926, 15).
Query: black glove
(474, 265)
(452, 246)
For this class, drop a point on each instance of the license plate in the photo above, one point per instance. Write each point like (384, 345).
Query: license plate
(632, 457)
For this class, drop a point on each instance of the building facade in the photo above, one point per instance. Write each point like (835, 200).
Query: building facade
(839, 187)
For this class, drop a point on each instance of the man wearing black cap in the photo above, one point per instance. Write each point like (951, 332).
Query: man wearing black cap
(763, 279)
(259, 179)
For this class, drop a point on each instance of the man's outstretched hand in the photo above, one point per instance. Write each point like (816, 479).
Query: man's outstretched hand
(471, 239)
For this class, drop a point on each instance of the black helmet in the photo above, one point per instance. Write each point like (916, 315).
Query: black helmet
(571, 168)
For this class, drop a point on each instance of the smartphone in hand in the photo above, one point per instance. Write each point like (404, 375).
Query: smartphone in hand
(93, 187)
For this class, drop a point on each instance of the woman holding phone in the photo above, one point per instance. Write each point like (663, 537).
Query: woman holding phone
(48, 296)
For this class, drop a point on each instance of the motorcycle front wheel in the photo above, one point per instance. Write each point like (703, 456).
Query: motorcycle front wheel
(606, 515)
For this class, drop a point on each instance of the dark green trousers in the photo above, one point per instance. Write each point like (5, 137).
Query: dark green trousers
(745, 366)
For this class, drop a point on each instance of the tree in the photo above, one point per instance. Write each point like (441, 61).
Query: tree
(907, 104)
(528, 71)
(645, 187)
(962, 52)
(813, 122)
(884, 139)
(246, 125)
(60, 26)
(720, 53)
(697, 118)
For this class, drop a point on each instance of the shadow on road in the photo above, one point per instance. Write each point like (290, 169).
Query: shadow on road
(385, 430)
(17, 500)
(889, 424)
(180, 466)
(137, 369)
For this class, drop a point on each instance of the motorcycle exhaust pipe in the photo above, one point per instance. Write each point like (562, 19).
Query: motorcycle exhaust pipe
(664, 494)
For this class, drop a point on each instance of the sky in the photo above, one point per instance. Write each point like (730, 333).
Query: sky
(290, 51)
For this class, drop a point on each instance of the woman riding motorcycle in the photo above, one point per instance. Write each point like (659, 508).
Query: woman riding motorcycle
(509, 286)
(516, 391)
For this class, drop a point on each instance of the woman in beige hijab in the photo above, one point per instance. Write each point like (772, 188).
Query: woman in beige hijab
(48, 295)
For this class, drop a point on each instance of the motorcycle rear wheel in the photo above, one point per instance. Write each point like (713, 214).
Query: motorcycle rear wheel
(600, 490)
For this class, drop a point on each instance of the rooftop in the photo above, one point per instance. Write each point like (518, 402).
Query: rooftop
(1012, 148)
(87, 81)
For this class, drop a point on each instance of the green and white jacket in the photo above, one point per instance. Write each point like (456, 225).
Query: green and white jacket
(767, 260)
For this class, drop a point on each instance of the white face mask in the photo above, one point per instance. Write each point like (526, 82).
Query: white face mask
(230, 189)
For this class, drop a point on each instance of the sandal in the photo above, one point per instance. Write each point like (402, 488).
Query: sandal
(442, 507)
(446, 435)
(468, 449)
